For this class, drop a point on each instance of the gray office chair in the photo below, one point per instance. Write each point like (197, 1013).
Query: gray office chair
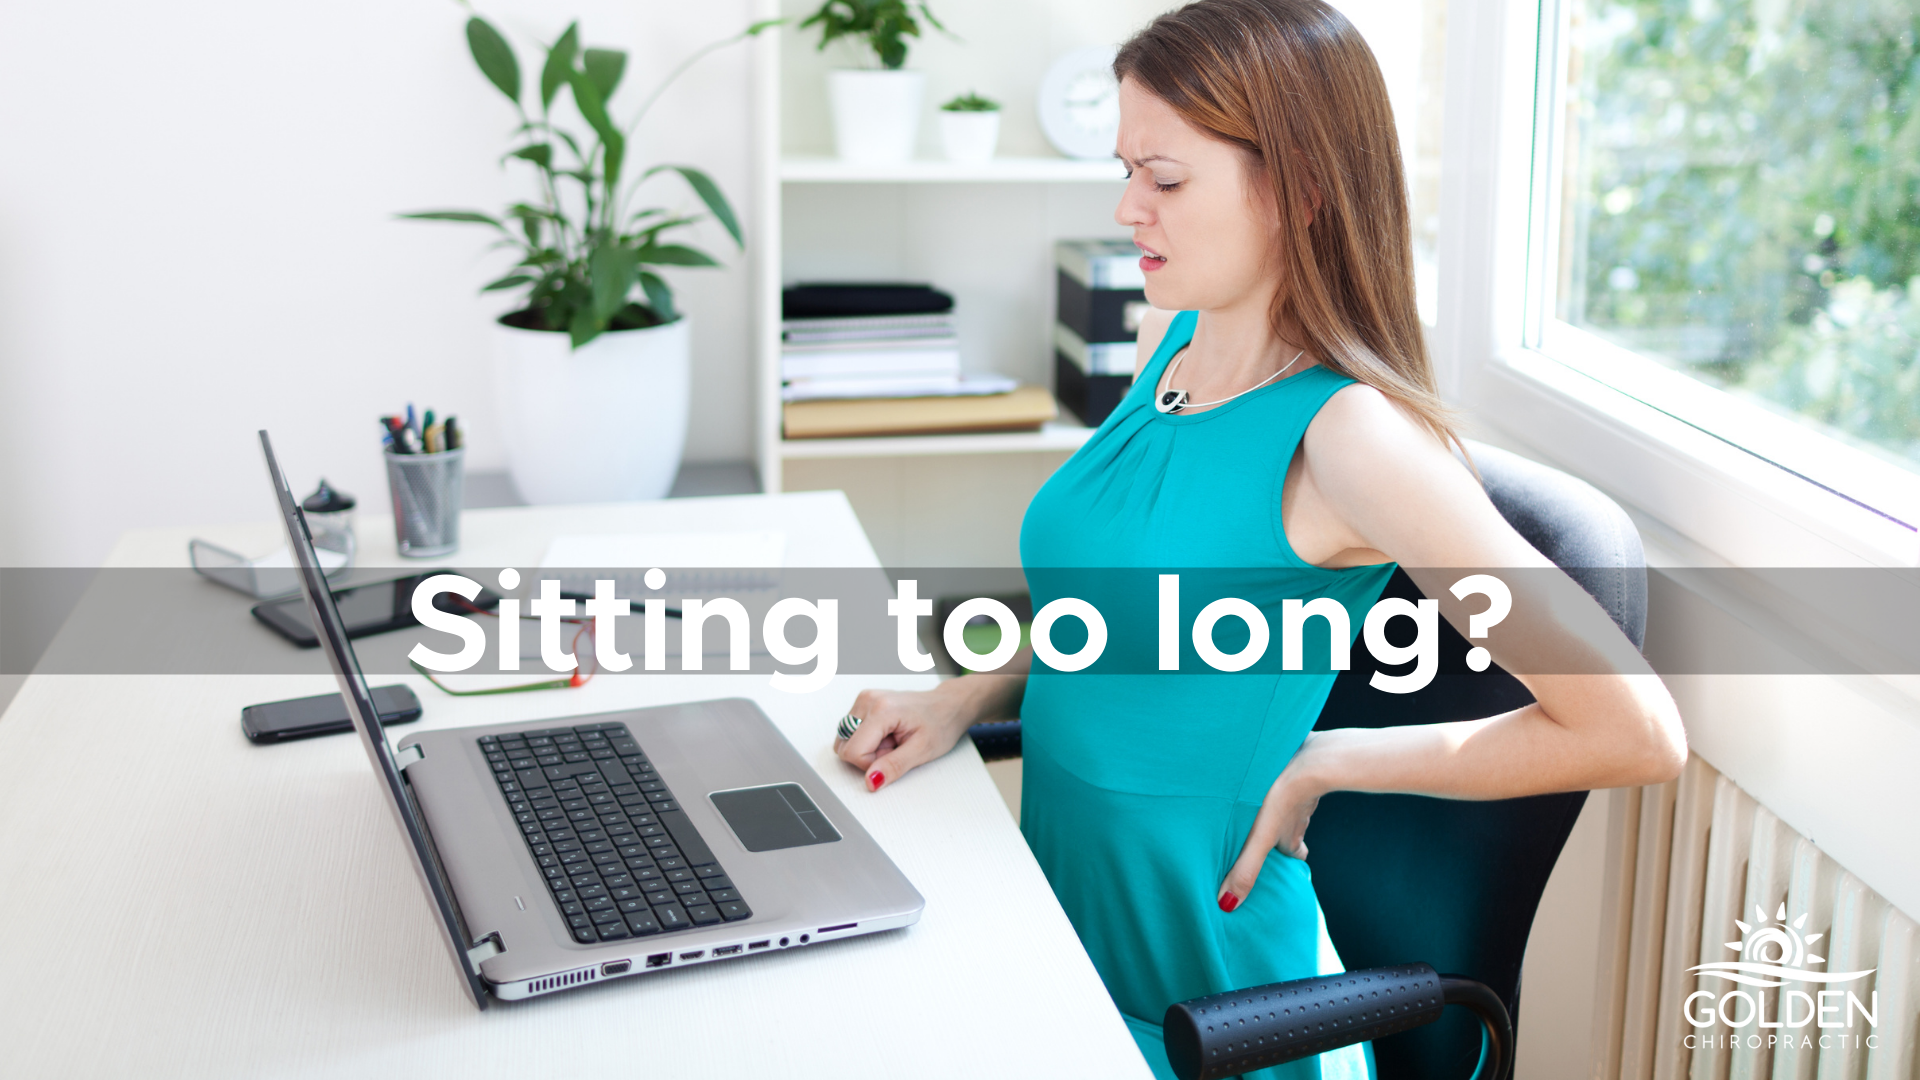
(1400, 876)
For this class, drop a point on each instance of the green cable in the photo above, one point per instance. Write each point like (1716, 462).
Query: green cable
(549, 684)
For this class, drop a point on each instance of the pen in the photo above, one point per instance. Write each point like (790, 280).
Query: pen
(453, 436)
(426, 422)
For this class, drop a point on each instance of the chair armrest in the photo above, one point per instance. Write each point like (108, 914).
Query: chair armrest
(1224, 1035)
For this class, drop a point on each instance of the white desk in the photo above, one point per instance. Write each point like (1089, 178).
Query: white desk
(175, 901)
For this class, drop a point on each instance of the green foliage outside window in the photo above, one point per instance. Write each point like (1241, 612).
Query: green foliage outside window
(1745, 201)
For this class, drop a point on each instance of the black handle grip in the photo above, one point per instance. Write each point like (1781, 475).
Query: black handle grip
(1224, 1035)
(1228, 1034)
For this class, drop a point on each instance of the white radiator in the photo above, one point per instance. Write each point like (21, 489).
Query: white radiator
(1745, 953)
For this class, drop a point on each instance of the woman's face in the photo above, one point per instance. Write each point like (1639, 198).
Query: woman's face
(1204, 223)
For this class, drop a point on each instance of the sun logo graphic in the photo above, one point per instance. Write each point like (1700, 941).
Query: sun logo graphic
(1774, 954)
(1777, 954)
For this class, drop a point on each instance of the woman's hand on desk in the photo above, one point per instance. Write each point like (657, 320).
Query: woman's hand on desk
(901, 730)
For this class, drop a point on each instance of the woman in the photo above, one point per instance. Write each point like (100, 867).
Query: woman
(1169, 811)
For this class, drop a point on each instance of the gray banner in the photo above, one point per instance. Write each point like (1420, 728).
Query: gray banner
(169, 621)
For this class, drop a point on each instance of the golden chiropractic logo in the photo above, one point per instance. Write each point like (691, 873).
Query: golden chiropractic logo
(1773, 955)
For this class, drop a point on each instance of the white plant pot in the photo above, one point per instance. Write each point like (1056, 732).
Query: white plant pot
(970, 137)
(876, 114)
(605, 423)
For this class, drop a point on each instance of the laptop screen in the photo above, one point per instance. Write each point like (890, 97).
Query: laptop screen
(331, 631)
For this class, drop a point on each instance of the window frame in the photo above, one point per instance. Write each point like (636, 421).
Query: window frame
(1749, 485)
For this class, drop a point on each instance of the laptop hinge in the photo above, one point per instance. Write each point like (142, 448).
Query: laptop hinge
(407, 755)
(485, 949)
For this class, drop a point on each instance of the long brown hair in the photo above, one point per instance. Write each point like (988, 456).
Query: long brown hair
(1293, 84)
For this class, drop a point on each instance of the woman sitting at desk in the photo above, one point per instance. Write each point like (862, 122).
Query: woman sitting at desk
(1286, 418)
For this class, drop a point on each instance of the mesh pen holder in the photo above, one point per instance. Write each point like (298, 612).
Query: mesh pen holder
(426, 492)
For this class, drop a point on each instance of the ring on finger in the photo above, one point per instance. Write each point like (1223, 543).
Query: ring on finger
(848, 724)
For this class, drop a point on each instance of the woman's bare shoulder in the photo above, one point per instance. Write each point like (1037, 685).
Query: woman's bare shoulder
(1363, 443)
(1396, 485)
(1366, 426)
(1153, 327)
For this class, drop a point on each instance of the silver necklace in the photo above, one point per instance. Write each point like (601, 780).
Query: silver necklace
(1172, 401)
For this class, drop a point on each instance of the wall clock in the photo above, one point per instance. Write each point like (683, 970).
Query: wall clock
(1080, 103)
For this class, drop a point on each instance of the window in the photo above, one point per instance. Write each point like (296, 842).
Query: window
(1726, 224)
(1420, 152)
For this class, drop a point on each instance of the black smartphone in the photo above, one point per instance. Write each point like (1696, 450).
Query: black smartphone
(324, 714)
(364, 609)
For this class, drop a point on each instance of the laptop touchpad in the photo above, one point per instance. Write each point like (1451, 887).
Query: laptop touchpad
(774, 817)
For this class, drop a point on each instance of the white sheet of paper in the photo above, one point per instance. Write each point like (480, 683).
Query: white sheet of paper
(667, 550)
(281, 558)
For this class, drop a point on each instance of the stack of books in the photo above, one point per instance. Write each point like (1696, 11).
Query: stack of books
(873, 341)
(884, 360)
(1102, 298)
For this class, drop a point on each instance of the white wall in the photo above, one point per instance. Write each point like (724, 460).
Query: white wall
(196, 241)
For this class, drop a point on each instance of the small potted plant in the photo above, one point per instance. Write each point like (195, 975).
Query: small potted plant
(876, 111)
(591, 369)
(970, 128)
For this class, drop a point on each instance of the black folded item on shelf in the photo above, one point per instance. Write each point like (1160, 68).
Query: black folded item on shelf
(839, 300)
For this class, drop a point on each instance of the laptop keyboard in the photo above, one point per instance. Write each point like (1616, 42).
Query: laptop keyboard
(619, 855)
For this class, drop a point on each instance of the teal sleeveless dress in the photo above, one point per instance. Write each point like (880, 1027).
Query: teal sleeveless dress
(1140, 785)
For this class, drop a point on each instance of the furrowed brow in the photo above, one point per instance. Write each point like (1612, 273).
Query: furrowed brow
(1149, 157)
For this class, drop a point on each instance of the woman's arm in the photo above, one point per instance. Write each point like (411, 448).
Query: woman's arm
(903, 729)
(1371, 482)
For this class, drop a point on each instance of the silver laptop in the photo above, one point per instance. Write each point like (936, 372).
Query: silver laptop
(560, 853)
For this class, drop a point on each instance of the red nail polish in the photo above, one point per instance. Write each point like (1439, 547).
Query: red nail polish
(1228, 901)
(874, 780)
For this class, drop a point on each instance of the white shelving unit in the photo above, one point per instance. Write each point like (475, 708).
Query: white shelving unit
(809, 172)
(798, 169)
(1064, 437)
(984, 233)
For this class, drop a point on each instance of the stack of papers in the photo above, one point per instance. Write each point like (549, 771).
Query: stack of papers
(869, 356)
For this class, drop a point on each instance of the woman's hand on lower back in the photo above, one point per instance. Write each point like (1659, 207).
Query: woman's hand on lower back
(901, 730)
(1282, 822)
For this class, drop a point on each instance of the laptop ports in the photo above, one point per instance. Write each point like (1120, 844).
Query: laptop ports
(659, 959)
(616, 967)
(727, 950)
(759, 944)
(694, 955)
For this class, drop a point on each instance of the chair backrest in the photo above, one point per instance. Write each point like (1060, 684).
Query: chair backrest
(1455, 884)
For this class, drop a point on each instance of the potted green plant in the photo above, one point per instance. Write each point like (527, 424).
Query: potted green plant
(591, 367)
(970, 128)
(876, 110)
